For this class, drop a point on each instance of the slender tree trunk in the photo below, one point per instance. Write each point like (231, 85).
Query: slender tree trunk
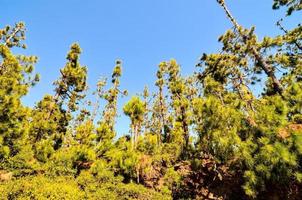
(185, 128)
(132, 136)
(258, 57)
(162, 115)
(137, 174)
(136, 135)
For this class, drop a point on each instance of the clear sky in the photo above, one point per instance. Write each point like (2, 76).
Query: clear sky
(141, 33)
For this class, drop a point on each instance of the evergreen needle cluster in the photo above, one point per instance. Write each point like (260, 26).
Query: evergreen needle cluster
(231, 130)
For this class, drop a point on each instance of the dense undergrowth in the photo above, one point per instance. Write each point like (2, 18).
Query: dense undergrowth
(206, 136)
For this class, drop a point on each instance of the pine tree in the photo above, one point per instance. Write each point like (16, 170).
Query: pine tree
(180, 106)
(159, 118)
(292, 5)
(211, 135)
(16, 77)
(50, 118)
(135, 109)
(72, 82)
(46, 131)
(243, 43)
(105, 129)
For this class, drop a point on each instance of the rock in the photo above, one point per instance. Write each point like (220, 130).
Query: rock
(5, 176)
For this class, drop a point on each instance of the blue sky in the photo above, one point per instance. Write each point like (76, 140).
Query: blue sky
(141, 33)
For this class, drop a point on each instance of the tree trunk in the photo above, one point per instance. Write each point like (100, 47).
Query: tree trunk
(268, 69)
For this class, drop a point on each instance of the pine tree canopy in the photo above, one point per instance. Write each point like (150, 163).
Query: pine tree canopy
(232, 129)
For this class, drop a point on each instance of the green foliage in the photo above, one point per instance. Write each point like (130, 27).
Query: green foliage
(212, 133)
(135, 109)
(72, 82)
(40, 187)
(292, 5)
(48, 127)
(15, 80)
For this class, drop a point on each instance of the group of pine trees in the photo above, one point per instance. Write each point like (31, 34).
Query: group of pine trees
(231, 130)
